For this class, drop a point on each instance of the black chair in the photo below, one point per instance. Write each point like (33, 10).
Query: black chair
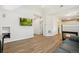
(2, 44)
(5, 35)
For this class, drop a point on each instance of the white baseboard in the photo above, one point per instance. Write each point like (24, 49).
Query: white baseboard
(7, 40)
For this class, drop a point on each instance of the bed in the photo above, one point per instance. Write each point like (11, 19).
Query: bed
(70, 28)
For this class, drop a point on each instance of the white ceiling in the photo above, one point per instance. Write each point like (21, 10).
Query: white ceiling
(49, 9)
(11, 7)
(39, 6)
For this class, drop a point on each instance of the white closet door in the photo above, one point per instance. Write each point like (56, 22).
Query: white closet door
(37, 26)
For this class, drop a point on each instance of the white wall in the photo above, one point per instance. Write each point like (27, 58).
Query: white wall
(12, 19)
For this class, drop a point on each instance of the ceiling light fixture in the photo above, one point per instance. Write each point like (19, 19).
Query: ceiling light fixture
(61, 5)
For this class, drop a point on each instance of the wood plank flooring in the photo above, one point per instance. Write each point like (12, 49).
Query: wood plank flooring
(37, 44)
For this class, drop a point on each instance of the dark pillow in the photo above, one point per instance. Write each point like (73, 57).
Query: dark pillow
(74, 38)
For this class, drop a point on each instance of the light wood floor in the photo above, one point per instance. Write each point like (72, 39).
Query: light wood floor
(37, 44)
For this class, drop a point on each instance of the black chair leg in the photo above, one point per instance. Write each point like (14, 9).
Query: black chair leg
(2, 44)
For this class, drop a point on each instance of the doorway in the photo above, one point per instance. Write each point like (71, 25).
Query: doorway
(38, 25)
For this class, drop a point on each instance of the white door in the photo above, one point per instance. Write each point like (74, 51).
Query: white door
(38, 26)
